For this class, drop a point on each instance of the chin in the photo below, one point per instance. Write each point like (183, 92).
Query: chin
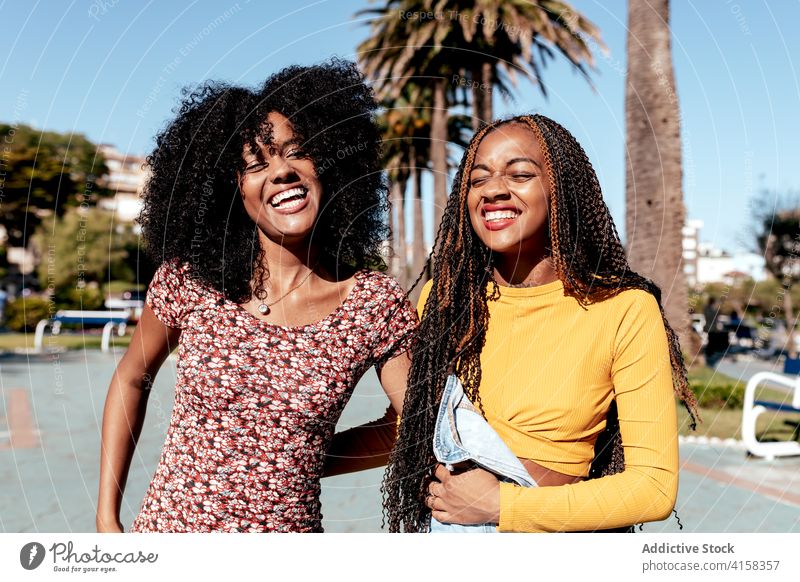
(286, 235)
(299, 227)
(296, 236)
(501, 245)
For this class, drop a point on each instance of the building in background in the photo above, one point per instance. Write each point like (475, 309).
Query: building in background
(691, 241)
(704, 263)
(126, 177)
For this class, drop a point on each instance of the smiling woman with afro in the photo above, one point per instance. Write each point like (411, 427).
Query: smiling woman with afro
(192, 207)
(265, 210)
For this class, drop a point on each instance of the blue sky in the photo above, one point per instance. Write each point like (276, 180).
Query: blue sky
(113, 69)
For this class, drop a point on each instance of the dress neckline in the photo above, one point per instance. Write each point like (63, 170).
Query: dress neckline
(359, 277)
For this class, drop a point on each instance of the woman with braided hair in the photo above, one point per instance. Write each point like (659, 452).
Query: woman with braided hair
(563, 349)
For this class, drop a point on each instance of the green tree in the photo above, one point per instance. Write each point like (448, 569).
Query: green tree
(45, 173)
(3, 262)
(753, 300)
(80, 251)
(778, 239)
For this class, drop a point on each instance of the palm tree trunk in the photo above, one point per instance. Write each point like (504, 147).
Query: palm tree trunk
(488, 87)
(399, 255)
(439, 151)
(419, 253)
(654, 198)
(420, 250)
(482, 106)
(477, 102)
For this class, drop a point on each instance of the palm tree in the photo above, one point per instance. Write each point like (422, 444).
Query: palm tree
(398, 53)
(395, 160)
(406, 132)
(502, 40)
(478, 43)
(654, 206)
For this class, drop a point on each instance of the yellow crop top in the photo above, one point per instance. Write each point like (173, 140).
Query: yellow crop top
(550, 369)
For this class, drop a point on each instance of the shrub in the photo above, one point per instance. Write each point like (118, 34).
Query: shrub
(720, 395)
(87, 298)
(25, 312)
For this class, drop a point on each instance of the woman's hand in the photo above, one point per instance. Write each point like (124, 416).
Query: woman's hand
(467, 498)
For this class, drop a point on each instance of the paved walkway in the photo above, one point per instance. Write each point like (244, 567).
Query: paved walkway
(50, 417)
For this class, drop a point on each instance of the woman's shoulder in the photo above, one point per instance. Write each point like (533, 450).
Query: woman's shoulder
(635, 298)
(172, 294)
(631, 308)
(384, 297)
(380, 284)
(426, 288)
(172, 270)
(423, 297)
(176, 274)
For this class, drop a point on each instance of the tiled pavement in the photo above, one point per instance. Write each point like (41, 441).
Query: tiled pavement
(50, 416)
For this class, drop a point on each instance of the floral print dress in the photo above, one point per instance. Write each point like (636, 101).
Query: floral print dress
(256, 404)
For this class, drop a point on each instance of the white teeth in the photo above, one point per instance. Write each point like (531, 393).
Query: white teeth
(286, 194)
(500, 215)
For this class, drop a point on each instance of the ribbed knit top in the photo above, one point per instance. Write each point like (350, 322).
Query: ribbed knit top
(550, 370)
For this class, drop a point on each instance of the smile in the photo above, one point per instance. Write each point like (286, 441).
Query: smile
(497, 215)
(499, 218)
(290, 200)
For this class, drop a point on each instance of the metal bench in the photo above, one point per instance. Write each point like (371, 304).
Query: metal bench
(753, 408)
(110, 320)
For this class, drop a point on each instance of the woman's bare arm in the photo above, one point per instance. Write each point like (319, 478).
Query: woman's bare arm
(368, 446)
(124, 412)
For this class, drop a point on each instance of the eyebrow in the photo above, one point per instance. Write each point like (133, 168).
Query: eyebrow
(255, 155)
(293, 141)
(509, 163)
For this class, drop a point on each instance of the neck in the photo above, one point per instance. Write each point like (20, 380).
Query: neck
(524, 270)
(287, 264)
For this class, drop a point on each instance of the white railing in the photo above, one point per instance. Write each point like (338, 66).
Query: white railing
(752, 410)
(111, 320)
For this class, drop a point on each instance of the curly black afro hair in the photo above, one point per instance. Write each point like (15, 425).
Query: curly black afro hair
(332, 109)
(193, 211)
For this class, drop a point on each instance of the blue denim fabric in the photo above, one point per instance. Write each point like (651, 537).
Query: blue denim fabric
(462, 434)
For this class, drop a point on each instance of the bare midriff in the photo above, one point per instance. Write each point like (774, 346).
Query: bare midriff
(545, 477)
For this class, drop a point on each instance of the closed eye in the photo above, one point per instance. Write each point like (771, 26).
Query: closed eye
(255, 167)
(522, 177)
(296, 153)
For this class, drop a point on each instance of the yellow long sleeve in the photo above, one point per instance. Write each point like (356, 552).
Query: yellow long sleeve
(550, 369)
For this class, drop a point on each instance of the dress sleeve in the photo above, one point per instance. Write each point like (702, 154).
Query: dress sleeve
(169, 295)
(396, 325)
(647, 488)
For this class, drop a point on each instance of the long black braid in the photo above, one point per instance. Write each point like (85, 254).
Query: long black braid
(588, 257)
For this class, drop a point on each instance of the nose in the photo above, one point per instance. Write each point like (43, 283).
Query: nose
(495, 187)
(282, 170)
